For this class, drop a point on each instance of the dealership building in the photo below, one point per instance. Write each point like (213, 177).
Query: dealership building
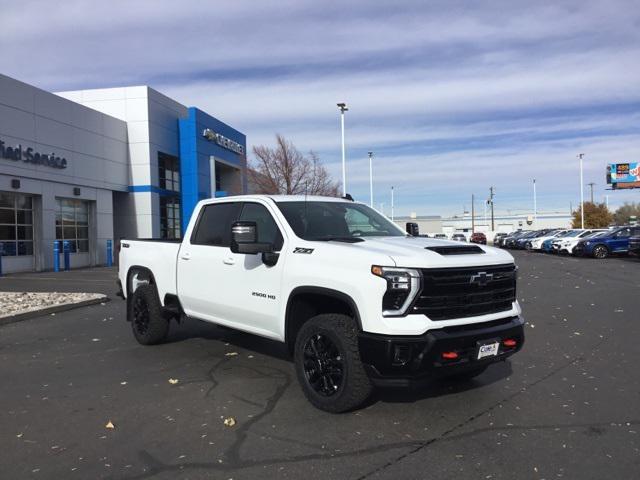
(90, 166)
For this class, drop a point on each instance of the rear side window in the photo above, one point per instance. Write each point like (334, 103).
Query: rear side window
(214, 224)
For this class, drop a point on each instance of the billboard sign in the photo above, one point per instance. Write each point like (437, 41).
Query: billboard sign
(623, 175)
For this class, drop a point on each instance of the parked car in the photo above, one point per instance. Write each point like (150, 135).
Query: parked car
(634, 245)
(536, 243)
(567, 243)
(357, 302)
(478, 237)
(510, 240)
(458, 237)
(521, 242)
(614, 241)
(498, 237)
(525, 242)
(440, 235)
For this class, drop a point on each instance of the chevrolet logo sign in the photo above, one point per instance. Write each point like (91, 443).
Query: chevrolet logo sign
(481, 278)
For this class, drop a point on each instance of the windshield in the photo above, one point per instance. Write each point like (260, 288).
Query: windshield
(336, 220)
(596, 234)
(573, 233)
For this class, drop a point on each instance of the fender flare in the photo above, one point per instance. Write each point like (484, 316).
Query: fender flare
(328, 292)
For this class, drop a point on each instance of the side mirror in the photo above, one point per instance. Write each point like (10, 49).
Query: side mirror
(244, 239)
(412, 229)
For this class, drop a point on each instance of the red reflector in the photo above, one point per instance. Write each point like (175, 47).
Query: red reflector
(510, 342)
(449, 355)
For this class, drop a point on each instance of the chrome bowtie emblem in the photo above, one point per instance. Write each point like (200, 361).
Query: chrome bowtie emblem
(481, 278)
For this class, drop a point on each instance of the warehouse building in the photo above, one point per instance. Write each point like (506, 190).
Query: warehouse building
(96, 165)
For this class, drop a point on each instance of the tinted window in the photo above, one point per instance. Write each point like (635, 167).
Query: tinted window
(323, 220)
(624, 233)
(214, 225)
(268, 231)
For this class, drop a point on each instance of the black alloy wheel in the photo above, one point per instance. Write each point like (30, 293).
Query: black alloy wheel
(323, 365)
(140, 315)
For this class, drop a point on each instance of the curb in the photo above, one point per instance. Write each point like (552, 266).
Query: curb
(54, 309)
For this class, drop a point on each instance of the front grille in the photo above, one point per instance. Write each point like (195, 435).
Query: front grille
(466, 292)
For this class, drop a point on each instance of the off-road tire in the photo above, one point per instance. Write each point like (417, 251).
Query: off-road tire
(149, 324)
(355, 386)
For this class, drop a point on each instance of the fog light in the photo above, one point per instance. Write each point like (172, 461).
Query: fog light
(401, 354)
(449, 355)
(510, 342)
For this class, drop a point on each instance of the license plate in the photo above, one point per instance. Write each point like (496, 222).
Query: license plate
(488, 350)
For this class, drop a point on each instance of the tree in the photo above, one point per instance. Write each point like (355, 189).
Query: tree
(595, 216)
(285, 170)
(621, 217)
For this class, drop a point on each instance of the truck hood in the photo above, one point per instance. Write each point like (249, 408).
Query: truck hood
(415, 252)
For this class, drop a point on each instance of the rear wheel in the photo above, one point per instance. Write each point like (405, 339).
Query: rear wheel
(328, 365)
(600, 251)
(148, 322)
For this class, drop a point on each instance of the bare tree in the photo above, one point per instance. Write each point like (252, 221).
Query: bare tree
(285, 170)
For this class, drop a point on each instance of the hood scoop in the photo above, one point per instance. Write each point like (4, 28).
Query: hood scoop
(456, 249)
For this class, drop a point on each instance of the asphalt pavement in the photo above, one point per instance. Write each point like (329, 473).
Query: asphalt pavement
(567, 406)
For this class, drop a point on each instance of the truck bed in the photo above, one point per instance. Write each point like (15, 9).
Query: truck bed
(158, 256)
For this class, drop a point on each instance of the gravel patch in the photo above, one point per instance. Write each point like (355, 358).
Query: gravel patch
(18, 303)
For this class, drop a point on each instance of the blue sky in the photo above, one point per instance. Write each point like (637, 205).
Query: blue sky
(451, 96)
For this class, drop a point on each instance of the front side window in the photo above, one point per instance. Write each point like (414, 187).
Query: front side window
(268, 231)
(72, 224)
(326, 220)
(16, 224)
(214, 225)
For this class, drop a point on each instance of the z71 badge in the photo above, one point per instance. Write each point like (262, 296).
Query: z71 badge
(303, 250)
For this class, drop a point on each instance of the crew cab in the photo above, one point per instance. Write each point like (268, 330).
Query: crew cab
(358, 302)
(615, 241)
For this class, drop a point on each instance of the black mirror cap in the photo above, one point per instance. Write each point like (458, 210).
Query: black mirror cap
(244, 239)
(244, 232)
(412, 229)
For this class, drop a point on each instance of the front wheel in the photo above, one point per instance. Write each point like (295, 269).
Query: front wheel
(328, 365)
(600, 252)
(148, 322)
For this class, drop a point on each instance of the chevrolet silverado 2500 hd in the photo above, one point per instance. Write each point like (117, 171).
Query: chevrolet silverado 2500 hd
(358, 302)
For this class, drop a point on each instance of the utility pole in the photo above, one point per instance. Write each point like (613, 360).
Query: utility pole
(591, 184)
(473, 214)
(491, 194)
(370, 179)
(343, 108)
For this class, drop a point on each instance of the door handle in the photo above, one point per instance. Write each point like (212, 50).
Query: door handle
(229, 261)
(185, 256)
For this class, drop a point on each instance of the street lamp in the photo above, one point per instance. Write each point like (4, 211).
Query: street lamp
(370, 179)
(535, 203)
(392, 203)
(580, 155)
(343, 108)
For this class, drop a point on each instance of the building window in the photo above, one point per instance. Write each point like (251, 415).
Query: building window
(169, 172)
(16, 224)
(72, 224)
(169, 217)
(169, 178)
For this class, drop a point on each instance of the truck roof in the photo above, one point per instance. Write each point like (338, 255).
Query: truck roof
(284, 198)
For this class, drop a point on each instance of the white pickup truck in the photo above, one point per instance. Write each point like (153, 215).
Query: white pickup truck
(358, 302)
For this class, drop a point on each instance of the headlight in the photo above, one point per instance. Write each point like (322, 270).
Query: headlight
(403, 285)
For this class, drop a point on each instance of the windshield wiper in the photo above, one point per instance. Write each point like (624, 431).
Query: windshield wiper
(332, 238)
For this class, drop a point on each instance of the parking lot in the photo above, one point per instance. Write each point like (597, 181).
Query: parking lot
(567, 406)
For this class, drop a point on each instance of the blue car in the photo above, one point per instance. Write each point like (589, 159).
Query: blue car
(615, 241)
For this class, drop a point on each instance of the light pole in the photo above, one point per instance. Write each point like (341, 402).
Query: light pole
(580, 155)
(392, 205)
(371, 179)
(343, 108)
(535, 203)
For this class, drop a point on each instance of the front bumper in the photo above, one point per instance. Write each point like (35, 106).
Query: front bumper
(395, 361)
